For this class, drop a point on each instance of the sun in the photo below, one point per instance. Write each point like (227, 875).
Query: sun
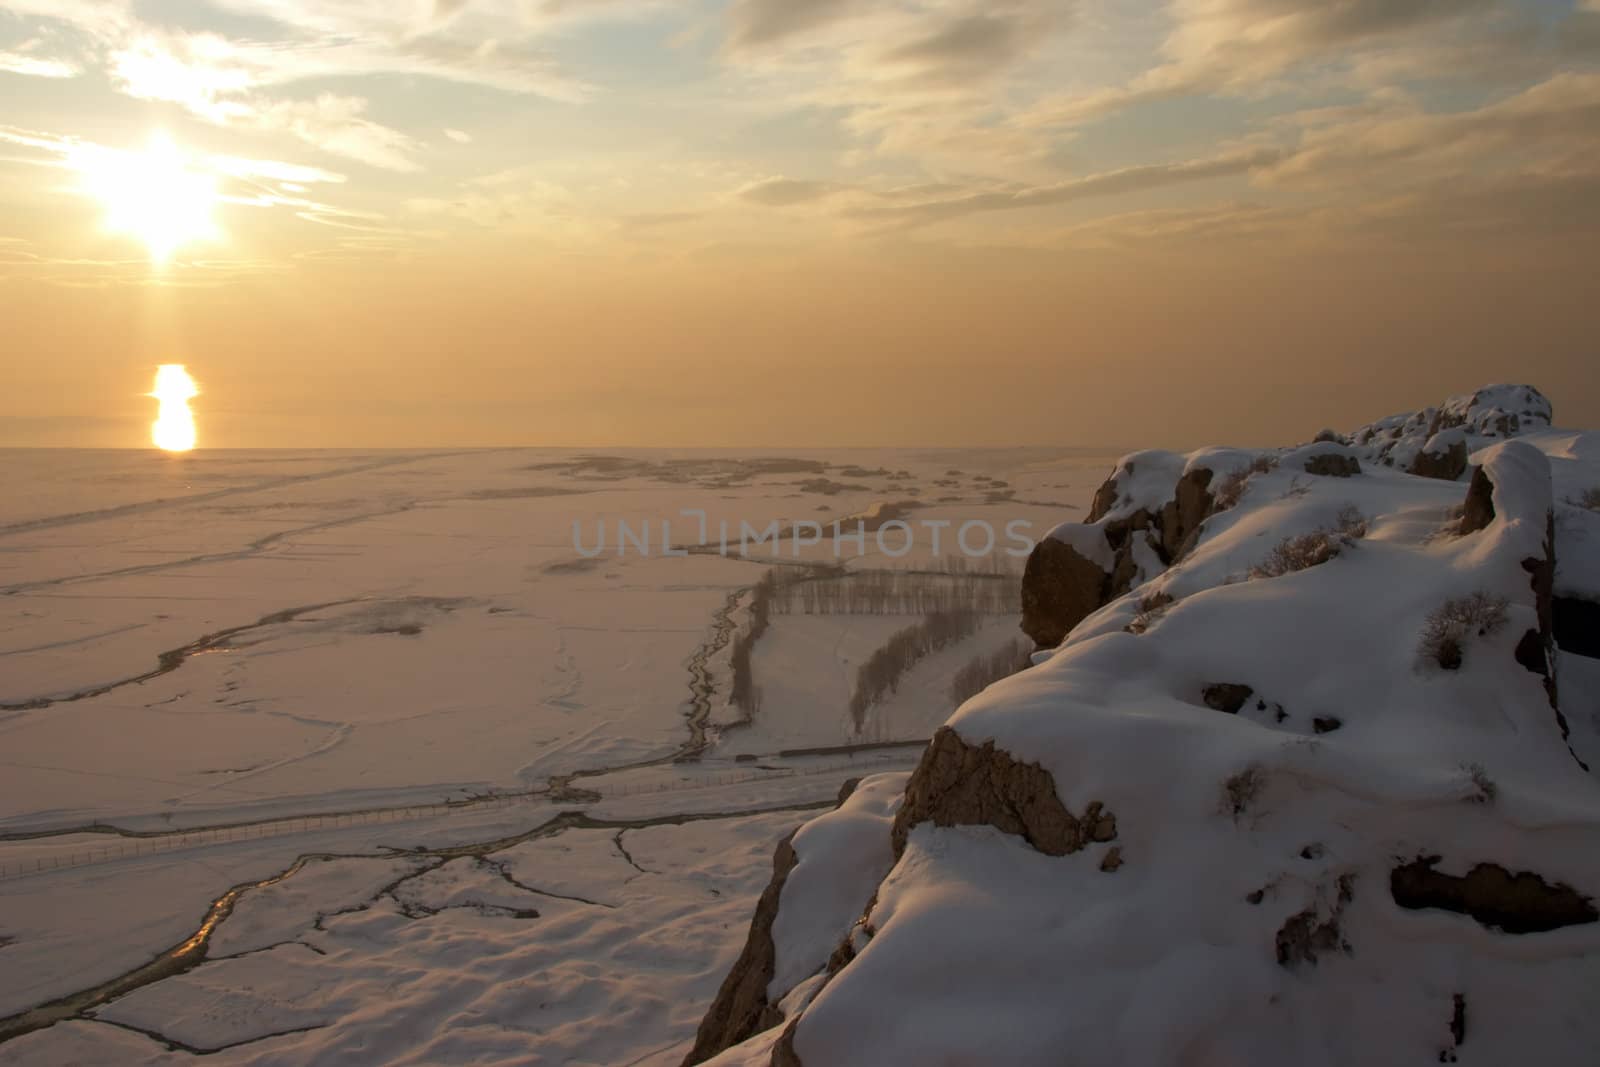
(156, 195)
(173, 430)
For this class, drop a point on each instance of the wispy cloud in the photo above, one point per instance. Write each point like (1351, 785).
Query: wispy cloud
(243, 182)
(786, 192)
(36, 67)
(1242, 46)
(242, 82)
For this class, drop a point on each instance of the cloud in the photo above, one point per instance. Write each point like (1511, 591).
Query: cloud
(273, 171)
(924, 80)
(973, 46)
(786, 192)
(458, 136)
(34, 67)
(1109, 183)
(213, 80)
(1236, 45)
(755, 24)
(234, 81)
(1549, 130)
(263, 183)
(644, 222)
(337, 124)
(199, 72)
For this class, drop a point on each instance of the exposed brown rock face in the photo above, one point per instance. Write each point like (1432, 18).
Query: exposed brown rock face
(1537, 649)
(1477, 511)
(1521, 903)
(1227, 697)
(1449, 464)
(1308, 934)
(1060, 588)
(958, 784)
(1181, 518)
(1105, 498)
(1333, 465)
(740, 1008)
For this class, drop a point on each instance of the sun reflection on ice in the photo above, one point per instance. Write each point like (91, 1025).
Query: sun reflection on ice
(173, 429)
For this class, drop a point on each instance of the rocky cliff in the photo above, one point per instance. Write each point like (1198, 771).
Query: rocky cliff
(1302, 776)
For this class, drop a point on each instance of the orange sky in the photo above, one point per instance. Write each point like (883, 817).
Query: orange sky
(819, 222)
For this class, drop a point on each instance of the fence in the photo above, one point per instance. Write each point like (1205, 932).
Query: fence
(177, 840)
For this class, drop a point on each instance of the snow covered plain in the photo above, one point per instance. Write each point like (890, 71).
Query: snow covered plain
(317, 754)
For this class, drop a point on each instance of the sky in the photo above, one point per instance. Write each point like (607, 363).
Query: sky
(791, 222)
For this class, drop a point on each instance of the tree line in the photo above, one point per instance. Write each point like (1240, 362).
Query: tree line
(891, 592)
(744, 694)
(983, 671)
(880, 675)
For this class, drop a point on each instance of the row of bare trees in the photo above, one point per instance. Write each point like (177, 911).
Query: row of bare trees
(982, 671)
(744, 693)
(880, 675)
(891, 592)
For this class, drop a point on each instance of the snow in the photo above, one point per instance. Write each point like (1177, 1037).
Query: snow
(1357, 752)
(1088, 541)
(842, 856)
(395, 661)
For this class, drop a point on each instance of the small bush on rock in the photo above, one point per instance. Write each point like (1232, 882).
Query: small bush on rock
(1297, 554)
(1232, 487)
(1151, 608)
(1483, 788)
(1448, 626)
(1351, 523)
(1241, 790)
(1308, 550)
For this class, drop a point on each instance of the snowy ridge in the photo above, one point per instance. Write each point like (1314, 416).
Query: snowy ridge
(1308, 783)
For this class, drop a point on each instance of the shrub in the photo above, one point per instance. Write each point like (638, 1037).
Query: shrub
(1297, 554)
(1351, 523)
(1308, 550)
(1448, 626)
(1232, 487)
(1242, 790)
(1151, 608)
(1590, 499)
(1483, 788)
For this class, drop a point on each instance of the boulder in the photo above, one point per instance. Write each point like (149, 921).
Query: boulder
(1060, 588)
(961, 784)
(740, 1007)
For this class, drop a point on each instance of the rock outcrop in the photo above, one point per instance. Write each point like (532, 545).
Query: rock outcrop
(1152, 510)
(1491, 414)
(1444, 456)
(1060, 588)
(741, 1007)
(1286, 770)
(960, 784)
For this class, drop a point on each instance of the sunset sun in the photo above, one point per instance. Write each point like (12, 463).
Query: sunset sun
(157, 196)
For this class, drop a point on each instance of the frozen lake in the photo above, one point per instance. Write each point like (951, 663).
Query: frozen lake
(483, 787)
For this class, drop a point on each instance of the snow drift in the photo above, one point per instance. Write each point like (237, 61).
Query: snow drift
(1306, 778)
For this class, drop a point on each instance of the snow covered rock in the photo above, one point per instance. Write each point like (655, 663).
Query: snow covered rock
(1060, 587)
(1150, 512)
(1348, 757)
(835, 863)
(1422, 440)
